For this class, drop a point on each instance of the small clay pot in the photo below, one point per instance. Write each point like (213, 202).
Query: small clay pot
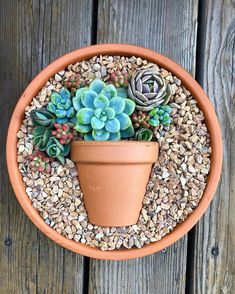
(113, 178)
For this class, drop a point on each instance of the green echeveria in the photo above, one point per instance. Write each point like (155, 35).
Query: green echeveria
(56, 150)
(144, 135)
(42, 117)
(41, 136)
(103, 112)
(61, 106)
(160, 116)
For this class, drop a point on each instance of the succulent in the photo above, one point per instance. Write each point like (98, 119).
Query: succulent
(56, 150)
(140, 119)
(41, 136)
(39, 162)
(144, 135)
(119, 78)
(63, 133)
(61, 106)
(73, 83)
(148, 89)
(160, 115)
(103, 112)
(42, 117)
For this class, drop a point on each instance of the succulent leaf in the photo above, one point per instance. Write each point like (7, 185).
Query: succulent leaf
(109, 91)
(118, 104)
(122, 92)
(82, 128)
(85, 115)
(112, 125)
(101, 101)
(100, 135)
(87, 99)
(88, 137)
(125, 121)
(129, 106)
(128, 133)
(97, 86)
(97, 124)
(115, 136)
(42, 117)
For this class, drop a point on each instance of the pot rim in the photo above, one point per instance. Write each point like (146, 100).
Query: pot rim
(114, 152)
(126, 50)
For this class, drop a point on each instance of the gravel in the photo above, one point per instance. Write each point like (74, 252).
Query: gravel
(176, 183)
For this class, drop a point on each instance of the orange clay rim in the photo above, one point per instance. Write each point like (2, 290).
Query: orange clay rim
(126, 50)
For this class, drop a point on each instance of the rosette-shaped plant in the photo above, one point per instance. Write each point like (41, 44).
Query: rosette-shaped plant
(56, 150)
(42, 117)
(41, 136)
(160, 115)
(149, 89)
(144, 135)
(103, 112)
(61, 106)
(39, 162)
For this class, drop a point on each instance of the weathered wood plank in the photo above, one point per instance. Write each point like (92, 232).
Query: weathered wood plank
(170, 28)
(32, 34)
(214, 256)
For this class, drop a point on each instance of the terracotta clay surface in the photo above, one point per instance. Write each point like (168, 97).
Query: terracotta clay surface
(125, 50)
(113, 178)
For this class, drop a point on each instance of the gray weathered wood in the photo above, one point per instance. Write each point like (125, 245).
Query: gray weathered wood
(170, 28)
(214, 256)
(32, 34)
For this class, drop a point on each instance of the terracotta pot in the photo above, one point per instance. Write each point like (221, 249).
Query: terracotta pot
(126, 50)
(113, 178)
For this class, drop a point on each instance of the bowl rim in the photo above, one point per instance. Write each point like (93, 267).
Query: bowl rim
(125, 50)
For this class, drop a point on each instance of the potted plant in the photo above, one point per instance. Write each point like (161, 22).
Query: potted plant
(111, 125)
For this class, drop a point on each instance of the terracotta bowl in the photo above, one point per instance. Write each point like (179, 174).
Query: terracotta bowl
(126, 50)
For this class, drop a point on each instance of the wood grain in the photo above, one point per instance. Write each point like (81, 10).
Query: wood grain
(168, 27)
(214, 256)
(32, 34)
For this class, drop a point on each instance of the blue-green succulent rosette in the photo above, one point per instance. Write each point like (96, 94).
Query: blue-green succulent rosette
(61, 105)
(103, 112)
(160, 115)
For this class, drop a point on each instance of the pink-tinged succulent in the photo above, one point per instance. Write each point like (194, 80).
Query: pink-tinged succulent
(73, 83)
(63, 133)
(39, 162)
(119, 78)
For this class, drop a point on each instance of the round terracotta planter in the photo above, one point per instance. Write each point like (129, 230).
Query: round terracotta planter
(125, 50)
(113, 178)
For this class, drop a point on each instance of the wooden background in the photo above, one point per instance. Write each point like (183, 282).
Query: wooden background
(200, 36)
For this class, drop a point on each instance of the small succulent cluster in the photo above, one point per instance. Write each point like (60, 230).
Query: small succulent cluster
(61, 105)
(63, 133)
(149, 89)
(103, 112)
(140, 119)
(160, 115)
(73, 83)
(119, 78)
(39, 162)
(49, 136)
